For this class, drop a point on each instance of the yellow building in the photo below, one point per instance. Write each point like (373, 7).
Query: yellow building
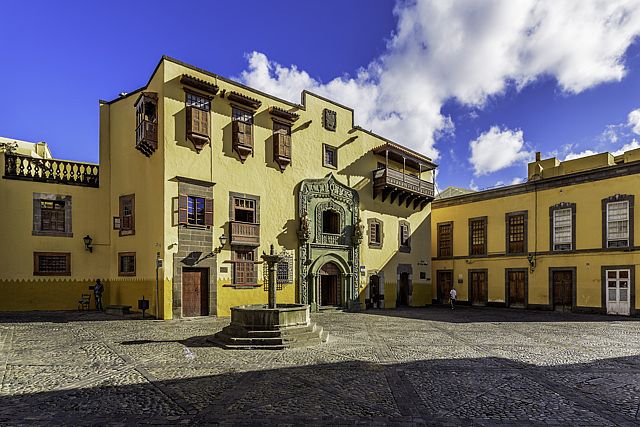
(198, 176)
(563, 240)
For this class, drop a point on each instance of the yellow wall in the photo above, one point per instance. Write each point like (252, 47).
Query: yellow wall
(586, 196)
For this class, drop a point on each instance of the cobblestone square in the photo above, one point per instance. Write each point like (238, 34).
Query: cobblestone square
(430, 366)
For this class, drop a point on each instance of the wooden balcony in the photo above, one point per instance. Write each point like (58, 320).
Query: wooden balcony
(147, 137)
(403, 187)
(245, 233)
(51, 171)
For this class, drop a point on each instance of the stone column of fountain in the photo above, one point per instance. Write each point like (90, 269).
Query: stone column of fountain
(270, 326)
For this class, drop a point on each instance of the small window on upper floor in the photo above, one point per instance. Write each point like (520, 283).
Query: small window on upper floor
(562, 232)
(242, 132)
(375, 233)
(330, 156)
(516, 233)
(52, 215)
(618, 224)
(127, 215)
(404, 236)
(445, 239)
(126, 264)
(198, 121)
(330, 222)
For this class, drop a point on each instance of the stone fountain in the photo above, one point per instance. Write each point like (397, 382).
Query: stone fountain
(270, 326)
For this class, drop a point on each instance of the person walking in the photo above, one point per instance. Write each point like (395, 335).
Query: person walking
(98, 289)
(452, 295)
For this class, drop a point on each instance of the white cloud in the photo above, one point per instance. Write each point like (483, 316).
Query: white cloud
(633, 121)
(470, 51)
(497, 149)
(630, 146)
(473, 186)
(584, 153)
(516, 180)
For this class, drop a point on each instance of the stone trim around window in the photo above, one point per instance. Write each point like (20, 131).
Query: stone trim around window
(37, 215)
(62, 272)
(617, 198)
(325, 148)
(404, 248)
(552, 209)
(373, 244)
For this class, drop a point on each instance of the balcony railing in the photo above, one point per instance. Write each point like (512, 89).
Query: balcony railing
(50, 170)
(245, 233)
(387, 177)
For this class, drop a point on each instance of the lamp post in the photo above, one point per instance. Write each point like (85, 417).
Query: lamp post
(272, 259)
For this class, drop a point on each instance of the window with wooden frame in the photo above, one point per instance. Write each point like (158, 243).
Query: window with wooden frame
(242, 132)
(404, 236)
(198, 123)
(478, 236)
(244, 210)
(126, 263)
(52, 264)
(329, 156)
(281, 144)
(516, 238)
(618, 224)
(52, 215)
(244, 268)
(284, 273)
(194, 210)
(375, 233)
(128, 215)
(445, 239)
(562, 229)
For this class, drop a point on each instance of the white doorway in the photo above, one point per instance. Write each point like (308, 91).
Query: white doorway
(618, 295)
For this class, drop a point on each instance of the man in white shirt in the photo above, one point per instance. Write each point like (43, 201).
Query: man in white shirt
(453, 295)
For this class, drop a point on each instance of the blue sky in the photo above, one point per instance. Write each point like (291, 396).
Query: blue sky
(478, 85)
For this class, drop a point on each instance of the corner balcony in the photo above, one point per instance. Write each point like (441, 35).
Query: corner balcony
(244, 233)
(52, 171)
(404, 187)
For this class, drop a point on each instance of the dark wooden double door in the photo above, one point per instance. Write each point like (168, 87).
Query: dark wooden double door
(478, 287)
(562, 288)
(195, 292)
(516, 288)
(445, 283)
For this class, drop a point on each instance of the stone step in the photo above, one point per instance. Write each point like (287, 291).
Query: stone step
(304, 336)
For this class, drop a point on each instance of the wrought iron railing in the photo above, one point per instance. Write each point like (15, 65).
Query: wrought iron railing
(50, 170)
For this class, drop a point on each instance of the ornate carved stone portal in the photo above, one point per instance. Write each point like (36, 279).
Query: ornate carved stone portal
(322, 243)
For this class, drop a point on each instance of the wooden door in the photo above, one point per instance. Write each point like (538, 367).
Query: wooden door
(516, 288)
(374, 291)
(478, 287)
(195, 292)
(445, 283)
(562, 283)
(403, 291)
(329, 289)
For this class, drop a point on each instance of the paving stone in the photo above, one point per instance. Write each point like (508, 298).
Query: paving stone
(428, 366)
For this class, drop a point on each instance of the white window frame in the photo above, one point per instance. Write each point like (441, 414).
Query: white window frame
(621, 238)
(557, 245)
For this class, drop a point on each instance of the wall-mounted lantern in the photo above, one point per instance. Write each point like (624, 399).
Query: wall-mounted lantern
(87, 243)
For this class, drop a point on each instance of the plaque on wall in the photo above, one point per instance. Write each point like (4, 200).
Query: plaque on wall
(329, 119)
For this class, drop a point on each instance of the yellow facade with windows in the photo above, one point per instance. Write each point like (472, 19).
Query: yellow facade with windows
(579, 251)
(192, 157)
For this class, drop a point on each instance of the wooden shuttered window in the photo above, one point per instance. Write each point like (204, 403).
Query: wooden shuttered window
(197, 121)
(242, 134)
(127, 215)
(194, 210)
(244, 268)
(375, 233)
(516, 234)
(445, 240)
(52, 216)
(478, 236)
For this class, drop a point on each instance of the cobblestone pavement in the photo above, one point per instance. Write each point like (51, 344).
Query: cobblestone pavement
(429, 366)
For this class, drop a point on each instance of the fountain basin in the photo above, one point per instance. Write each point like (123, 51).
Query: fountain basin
(260, 327)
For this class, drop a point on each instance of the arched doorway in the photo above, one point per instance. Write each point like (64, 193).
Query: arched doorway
(403, 292)
(374, 291)
(329, 284)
